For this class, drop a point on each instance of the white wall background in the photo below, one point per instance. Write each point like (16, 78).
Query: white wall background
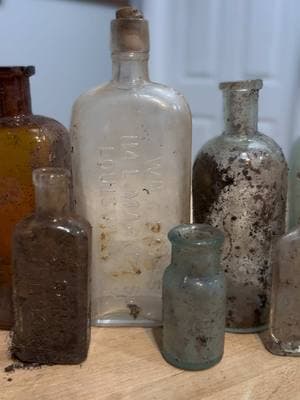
(194, 44)
(198, 43)
(67, 41)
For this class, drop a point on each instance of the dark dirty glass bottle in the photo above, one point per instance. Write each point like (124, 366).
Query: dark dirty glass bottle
(51, 295)
(194, 298)
(240, 187)
(27, 141)
(283, 335)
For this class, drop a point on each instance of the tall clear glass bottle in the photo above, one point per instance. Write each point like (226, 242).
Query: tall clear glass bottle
(194, 298)
(51, 294)
(131, 164)
(240, 187)
(27, 141)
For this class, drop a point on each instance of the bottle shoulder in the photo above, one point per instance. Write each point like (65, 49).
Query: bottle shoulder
(231, 147)
(69, 224)
(33, 121)
(189, 275)
(113, 96)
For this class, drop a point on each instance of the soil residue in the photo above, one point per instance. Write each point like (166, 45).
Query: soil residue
(208, 182)
(245, 197)
(134, 310)
(51, 294)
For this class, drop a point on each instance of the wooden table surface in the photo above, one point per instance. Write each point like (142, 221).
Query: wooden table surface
(125, 364)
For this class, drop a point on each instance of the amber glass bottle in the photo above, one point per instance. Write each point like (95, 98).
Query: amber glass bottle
(27, 142)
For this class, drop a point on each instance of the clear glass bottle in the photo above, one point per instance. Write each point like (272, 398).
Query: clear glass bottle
(283, 335)
(131, 165)
(240, 187)
(51, 295)
(27, 141)
(194, 298)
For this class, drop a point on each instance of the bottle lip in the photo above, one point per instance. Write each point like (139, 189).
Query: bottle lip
(196, 235)
(17, 70)
(252, 84)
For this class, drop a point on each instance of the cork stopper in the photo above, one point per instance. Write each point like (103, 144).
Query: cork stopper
(129, 12)
(255, 84)
(129, 31)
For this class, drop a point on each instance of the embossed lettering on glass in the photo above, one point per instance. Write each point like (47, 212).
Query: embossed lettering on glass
(131, 161)
(240, 187)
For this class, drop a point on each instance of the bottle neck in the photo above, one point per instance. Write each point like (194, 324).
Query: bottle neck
(52, 200)
(240, 112)
(199, 260)
(130, 68)
(15, 99)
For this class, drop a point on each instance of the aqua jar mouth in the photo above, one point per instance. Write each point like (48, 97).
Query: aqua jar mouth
(195, 235)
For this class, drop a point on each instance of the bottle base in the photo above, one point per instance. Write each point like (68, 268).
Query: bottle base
(190, 366)
(34, 359)
(114, 321)
(5, 326)
(279, 348)
(255, 329)
(135, 311)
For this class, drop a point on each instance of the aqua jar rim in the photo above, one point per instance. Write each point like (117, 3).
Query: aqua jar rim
(196, 235)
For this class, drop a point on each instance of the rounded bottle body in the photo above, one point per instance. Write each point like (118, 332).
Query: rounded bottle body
(240, 187)
(194, 299)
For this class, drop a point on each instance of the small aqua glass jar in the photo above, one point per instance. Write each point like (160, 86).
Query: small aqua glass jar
(194, 298)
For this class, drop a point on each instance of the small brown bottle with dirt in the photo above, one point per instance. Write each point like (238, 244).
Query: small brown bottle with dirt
(51, 296)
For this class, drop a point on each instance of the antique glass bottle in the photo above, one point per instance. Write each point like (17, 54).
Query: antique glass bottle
(283, 335)
(26, 141)
(240, 187)
(131, 164)
(294, 186)
(194, 298)
(51, 277)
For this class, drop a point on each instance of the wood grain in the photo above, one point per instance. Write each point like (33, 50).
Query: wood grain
(125, 364)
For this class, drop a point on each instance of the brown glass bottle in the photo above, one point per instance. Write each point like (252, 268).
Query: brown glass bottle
(27, 141)
(51, 277)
